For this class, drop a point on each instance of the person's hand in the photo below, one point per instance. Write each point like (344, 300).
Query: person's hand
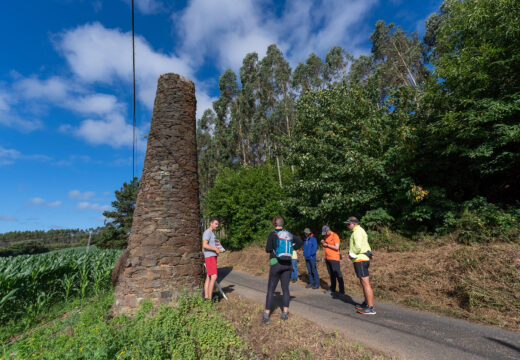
(217, 250)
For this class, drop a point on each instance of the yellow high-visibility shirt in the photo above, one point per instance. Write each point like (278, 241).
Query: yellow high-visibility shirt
(359, 244)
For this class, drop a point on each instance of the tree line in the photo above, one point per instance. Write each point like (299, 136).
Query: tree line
(421, 135)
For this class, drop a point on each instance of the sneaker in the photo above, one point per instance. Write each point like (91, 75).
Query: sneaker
(308, 286)
(369, 310)
(285, 315)
(265, 319)
(316, 287)
(361, 306)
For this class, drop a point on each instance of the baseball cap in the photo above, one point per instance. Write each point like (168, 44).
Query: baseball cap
(324, 230)
(307, 231)
(353, 220)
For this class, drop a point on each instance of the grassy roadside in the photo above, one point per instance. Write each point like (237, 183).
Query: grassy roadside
(479, 282)
(295, 339)
(191, 329)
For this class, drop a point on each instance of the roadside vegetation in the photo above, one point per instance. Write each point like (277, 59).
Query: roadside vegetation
(58, 306)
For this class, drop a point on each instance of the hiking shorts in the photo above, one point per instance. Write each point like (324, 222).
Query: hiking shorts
(361, 268)
(211, 265)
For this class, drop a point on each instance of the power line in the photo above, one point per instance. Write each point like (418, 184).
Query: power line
(133, 73)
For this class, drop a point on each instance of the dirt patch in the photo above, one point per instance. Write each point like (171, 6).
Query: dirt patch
(296, 338)
(480, 282)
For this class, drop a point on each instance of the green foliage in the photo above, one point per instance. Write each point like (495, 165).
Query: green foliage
(348, 150)
(413, 131)
(15, 243)
(191, 329)
(117, 230)
(376, 219)
(30, 284)
(476, 47)
(245, 200)
(481, 221)
(22, 248)
(386, 239)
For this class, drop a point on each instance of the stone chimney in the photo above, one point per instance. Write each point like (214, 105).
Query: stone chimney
(164, 257)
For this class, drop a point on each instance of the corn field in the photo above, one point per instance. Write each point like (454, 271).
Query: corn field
(29, 284)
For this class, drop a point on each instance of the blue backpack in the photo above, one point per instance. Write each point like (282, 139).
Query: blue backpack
(284, 244)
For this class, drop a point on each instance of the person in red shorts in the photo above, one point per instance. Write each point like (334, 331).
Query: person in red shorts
(211, 251)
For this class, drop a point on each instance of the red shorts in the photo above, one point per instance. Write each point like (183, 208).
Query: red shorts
(211, 265)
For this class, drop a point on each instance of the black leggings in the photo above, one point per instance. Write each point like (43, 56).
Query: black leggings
(334, 270)
(282, 273)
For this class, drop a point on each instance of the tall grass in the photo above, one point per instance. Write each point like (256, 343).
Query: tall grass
(30, 284)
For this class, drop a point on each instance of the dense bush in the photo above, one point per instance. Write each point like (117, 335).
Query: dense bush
(245, 200)
(481, 221)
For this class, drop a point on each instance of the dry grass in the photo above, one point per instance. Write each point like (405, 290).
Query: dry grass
(296, 338)
(480, 282)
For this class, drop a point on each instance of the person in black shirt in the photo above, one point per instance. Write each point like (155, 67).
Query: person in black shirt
(280, 270)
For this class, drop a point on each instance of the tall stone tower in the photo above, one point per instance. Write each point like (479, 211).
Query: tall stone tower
(164, 256)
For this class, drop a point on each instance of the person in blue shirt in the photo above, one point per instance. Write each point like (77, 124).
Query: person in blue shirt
(310, 246)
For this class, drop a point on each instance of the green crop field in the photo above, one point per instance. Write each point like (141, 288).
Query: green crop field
(29, 284)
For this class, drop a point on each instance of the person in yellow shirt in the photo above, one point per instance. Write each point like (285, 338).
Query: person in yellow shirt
(360, 253)
(332, 258)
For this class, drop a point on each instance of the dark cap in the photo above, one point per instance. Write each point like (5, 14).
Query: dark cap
(352, 220)
(324, 230)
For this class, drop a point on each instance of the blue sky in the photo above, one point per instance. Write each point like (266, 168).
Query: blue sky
(66, 92)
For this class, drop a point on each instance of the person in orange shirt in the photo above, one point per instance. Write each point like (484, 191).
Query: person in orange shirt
(332, 258)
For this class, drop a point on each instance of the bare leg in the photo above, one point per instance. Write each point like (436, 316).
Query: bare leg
(206, 288)
(211, 286)
(367, 290)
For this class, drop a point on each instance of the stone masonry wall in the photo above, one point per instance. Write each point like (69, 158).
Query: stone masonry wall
(164, 255)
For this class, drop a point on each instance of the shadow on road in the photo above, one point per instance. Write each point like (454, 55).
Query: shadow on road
(223, 272)
(506, 344)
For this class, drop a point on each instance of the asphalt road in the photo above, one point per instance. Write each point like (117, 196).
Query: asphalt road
(395, 330)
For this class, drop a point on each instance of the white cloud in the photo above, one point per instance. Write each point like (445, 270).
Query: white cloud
(53, 204)
(97, 54)
(225, 31)
(148, 6)
(94, 104)
(53, 88)
(37, 201)
(78, 195)
(204, 102)
(4, 101)
(92, 206)
(40, 201)
(10, 119)
(8, 156)
(112, 130)
(7, 218)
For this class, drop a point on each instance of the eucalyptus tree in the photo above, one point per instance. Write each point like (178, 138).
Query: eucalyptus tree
(310, 75)
(225, 137)
(400, 56)
(336, 62)
(206, 151)
(245, 110)
(274, 76)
